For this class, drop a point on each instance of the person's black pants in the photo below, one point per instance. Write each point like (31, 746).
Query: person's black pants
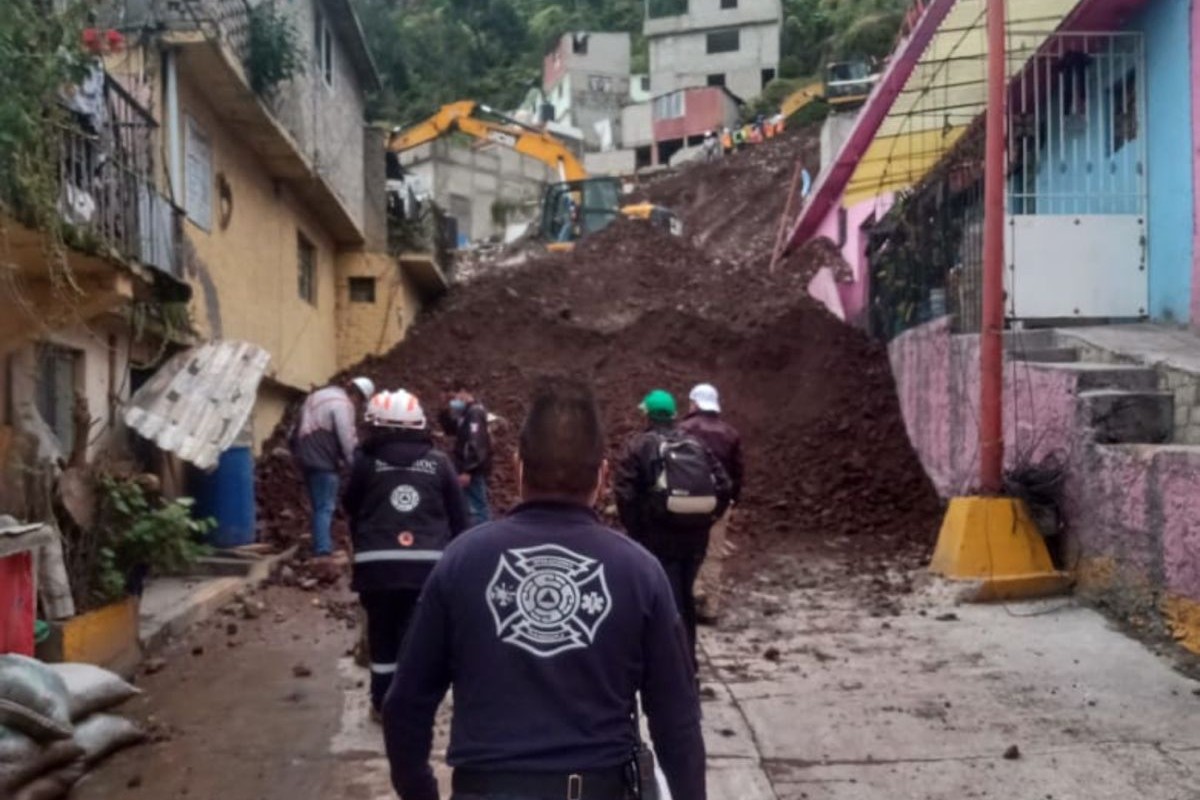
(388, 615)
(681, 573)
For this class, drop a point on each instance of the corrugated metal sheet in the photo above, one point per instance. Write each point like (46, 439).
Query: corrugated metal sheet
(198, 403)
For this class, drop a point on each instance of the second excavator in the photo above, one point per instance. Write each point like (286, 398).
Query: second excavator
(572, 207)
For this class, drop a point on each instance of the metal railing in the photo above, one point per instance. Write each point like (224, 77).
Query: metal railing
(1076, 146)
(107, 189)
(1076, 125)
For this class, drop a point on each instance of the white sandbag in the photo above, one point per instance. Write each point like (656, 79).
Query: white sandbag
(53, 785)
(101, 735)
(22, 759)
(33, 698)
(92, 689)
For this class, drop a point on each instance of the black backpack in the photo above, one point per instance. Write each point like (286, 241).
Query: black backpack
(683, 492)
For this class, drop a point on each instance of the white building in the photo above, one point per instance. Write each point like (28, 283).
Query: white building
(585, 79)
(730, 43)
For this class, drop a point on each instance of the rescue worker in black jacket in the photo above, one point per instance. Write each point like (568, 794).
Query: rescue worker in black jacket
(548, 625)
(405, 505)
(468, 421)
(672, 521)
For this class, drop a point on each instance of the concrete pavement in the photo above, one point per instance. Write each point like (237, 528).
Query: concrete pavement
(840, 701)
(820, 685)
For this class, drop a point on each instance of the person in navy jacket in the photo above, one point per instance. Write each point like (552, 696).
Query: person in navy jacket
(405, 505)
(548, 626)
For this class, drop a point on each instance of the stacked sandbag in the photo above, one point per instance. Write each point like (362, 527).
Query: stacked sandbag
(54, 725)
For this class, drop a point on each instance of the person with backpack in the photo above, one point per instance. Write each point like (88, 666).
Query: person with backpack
(472, 450)
(704, 422)
(670, 490)
(405, 505)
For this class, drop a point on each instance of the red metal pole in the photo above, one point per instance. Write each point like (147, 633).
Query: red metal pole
(991, 419)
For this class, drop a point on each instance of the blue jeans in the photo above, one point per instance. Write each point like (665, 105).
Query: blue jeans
(477, 500)
(322, 492)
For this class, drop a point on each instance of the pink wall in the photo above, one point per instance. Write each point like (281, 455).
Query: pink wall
(554, 65)
(855, 295)
(705, 108)
(1132, 511)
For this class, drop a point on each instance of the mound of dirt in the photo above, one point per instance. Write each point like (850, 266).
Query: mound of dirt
(635, 309)
(731, 208)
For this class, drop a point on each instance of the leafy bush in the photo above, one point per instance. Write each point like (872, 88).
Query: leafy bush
(139, 533)
(274, 55)
(40, 53)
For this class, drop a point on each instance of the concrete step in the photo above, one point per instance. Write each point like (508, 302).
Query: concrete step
(1119, 416)
(1093, 377)
(1026, 340)
(1048, 355)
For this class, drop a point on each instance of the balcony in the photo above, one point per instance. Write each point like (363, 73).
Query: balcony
(211, 41)
(117, 228)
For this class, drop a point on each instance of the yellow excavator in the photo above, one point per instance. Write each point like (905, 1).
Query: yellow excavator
(573, 207)
(846, 84)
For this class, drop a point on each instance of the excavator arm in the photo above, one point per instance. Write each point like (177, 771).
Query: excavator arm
(465, 117)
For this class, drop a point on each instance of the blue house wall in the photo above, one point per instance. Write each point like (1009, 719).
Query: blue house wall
(1166, 25)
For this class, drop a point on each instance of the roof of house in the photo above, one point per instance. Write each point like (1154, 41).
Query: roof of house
(934, 88)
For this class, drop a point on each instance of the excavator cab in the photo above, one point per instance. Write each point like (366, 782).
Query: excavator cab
(849, 82)
(574, 209)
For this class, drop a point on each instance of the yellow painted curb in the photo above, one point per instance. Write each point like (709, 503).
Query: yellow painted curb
(993, 542)
(105, 636)
(1183, 616)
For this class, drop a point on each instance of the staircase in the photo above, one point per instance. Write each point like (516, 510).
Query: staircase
(1119, 402)
(1132, 461)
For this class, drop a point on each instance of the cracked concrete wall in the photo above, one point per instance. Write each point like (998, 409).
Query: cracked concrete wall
(1131, 512)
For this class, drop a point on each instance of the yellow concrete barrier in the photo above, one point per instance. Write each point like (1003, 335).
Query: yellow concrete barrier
(107, 637)
(994, 543)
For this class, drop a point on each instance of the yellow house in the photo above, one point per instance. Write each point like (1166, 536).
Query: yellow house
(285, 237)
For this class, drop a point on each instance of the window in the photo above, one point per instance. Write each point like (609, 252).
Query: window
(1124, 111)
(57, 371)
(362, 290)
(665, 8)
(198, 179)
(669, 106)
(768, 75)
(843, 220)
(323, 49)
(729, 3)
(306, 260)
(723, 41)
(579, 44)
(645, 81)
(716, 80)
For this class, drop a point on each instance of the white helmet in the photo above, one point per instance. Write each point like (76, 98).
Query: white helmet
(398, 409)
(364, 385)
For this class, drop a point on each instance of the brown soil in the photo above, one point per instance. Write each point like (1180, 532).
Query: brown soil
(635, 309)
(731, 208)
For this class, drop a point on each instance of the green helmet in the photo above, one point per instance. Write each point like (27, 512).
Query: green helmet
(659, 404)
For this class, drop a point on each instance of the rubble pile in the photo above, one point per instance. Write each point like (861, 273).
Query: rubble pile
(731, 208)
(634, 309)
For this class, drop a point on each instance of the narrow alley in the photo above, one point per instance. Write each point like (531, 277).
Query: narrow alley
(822, 685)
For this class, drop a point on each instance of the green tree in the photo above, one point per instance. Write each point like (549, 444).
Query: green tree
(434, 52)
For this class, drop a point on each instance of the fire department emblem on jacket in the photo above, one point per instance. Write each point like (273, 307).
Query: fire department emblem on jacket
(548, 600)
(405, 498)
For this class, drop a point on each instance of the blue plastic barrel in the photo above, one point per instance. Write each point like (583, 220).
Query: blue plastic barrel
(226, 494)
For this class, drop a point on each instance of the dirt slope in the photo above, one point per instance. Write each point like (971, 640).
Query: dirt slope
(635, 309)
